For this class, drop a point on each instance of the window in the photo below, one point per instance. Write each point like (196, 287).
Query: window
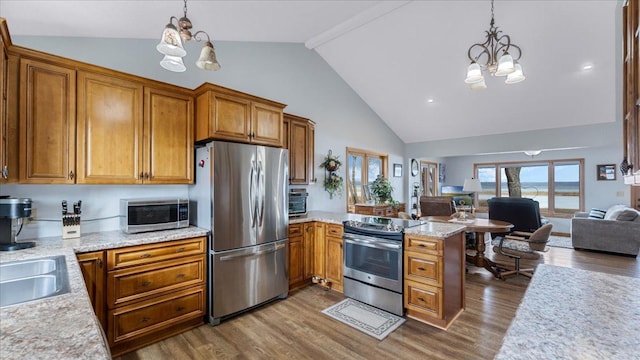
(362, 168)
(557, 185)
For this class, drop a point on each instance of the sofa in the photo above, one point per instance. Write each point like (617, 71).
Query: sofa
(617, 232)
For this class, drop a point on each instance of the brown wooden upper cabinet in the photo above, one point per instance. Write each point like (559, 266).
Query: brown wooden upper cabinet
(129, 133)
(299, 139)
(48, 123)
(225, 114)
(4, 106)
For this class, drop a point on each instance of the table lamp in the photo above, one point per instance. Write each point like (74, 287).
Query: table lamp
(472, 186)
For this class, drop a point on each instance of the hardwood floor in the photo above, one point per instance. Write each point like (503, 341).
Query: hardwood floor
(294, 328)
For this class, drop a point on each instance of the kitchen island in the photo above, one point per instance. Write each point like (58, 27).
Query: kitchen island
(65, 326)
(575, 314)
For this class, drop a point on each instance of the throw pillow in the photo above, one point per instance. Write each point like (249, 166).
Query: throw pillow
(614, 211)
(627, 215)
(597, 214)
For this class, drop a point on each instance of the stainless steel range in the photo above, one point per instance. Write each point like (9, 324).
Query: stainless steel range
(373, 256)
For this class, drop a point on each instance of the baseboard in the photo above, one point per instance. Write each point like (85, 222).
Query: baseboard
(557, 233)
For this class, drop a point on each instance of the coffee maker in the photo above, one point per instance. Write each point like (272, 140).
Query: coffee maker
(12, 212)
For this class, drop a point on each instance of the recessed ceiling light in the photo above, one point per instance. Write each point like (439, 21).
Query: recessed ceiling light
(587, 67)
(430, 100)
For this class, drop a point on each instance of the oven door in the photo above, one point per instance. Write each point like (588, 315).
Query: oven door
(374, 261)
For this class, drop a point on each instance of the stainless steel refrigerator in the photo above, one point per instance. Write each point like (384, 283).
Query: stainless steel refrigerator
(240, 194)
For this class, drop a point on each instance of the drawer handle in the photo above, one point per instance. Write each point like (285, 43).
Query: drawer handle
(422, 245)
(145, 319)
(421, 299)
(180, 249)
(421, 268)
(180, 308)
(179, 276)
(145, 255)
(146, 283)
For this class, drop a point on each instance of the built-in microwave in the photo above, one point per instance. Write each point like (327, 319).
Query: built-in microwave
(297, 202)
(140, 215)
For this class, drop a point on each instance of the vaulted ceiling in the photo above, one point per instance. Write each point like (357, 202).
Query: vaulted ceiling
(406, 59)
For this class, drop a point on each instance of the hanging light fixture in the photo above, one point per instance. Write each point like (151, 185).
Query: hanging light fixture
(532, 153)
(494, 55)
(171, 45)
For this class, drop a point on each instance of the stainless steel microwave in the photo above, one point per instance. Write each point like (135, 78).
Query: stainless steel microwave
(140, 215)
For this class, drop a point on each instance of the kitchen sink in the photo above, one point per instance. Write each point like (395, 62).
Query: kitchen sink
(27, 280)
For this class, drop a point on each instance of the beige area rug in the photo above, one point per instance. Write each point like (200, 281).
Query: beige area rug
(560, 241)
(368, 319)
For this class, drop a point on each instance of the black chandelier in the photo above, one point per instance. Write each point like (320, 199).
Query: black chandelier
(495, 56)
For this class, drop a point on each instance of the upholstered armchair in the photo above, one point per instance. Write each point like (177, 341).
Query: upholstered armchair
(522, 245)
(523, 213)
(436, 206)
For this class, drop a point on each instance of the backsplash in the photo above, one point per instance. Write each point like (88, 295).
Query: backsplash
(98, 202)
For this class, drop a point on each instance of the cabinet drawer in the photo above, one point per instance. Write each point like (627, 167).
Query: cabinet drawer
(423, 298)
(424, 244)
(145, 254)
(424, 268)
(295, 230)
(334, 230)
(150, 316)
(142, 281)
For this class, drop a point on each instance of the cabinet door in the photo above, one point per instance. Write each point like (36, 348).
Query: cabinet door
(307, 246)
(93, 272)
(285, 138)
(109, 129)
(319, 250)
(334, 262)
(168, 150)
(296, 255)
(298, 154)
(4, 66)
(266, 125)
(311, 148)
(231, 118)
(48, 123)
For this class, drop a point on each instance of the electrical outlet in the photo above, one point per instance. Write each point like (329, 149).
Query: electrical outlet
(620, 193)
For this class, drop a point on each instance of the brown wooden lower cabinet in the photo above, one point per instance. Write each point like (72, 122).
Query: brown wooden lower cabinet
(143, 294)
(431, 296)
(93, 269)
(315, 250)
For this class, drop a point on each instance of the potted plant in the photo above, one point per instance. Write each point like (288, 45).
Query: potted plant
(381, 188)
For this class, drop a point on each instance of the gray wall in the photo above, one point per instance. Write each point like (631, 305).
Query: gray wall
(596, 144)
(287, 73)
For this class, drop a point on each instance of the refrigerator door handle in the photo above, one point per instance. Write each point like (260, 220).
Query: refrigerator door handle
(252, 195)
(257, 253)
(261, 187)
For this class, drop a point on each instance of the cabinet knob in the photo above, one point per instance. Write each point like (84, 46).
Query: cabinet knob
(141, 175)
(179, 308)
(145, 319)
(100, 263)
(421, 268)
(181, 249)
(146, 283)
(179, 276)
(71, 175)
(5, 172)
(146, 176)
(145, 255)
(421, 299)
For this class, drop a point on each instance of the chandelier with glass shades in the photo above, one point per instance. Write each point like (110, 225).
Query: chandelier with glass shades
(171, 45)
(497, 55)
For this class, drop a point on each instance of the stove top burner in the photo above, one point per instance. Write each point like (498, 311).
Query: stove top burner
(381, 225)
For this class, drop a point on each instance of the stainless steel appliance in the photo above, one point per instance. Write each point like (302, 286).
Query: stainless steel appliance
(373, 258)
(298, 202)
(240, 194)
(140, 215)
(12, 211)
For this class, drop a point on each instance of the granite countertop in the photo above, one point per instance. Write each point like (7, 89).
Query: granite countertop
(436, 229)
(325, 216)
(575, 314)
(65, 326)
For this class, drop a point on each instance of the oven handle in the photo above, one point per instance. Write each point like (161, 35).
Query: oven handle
(372, 242)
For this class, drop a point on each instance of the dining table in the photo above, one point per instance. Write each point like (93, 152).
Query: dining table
(479, 226)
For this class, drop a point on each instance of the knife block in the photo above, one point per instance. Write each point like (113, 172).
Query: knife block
(70, 226)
